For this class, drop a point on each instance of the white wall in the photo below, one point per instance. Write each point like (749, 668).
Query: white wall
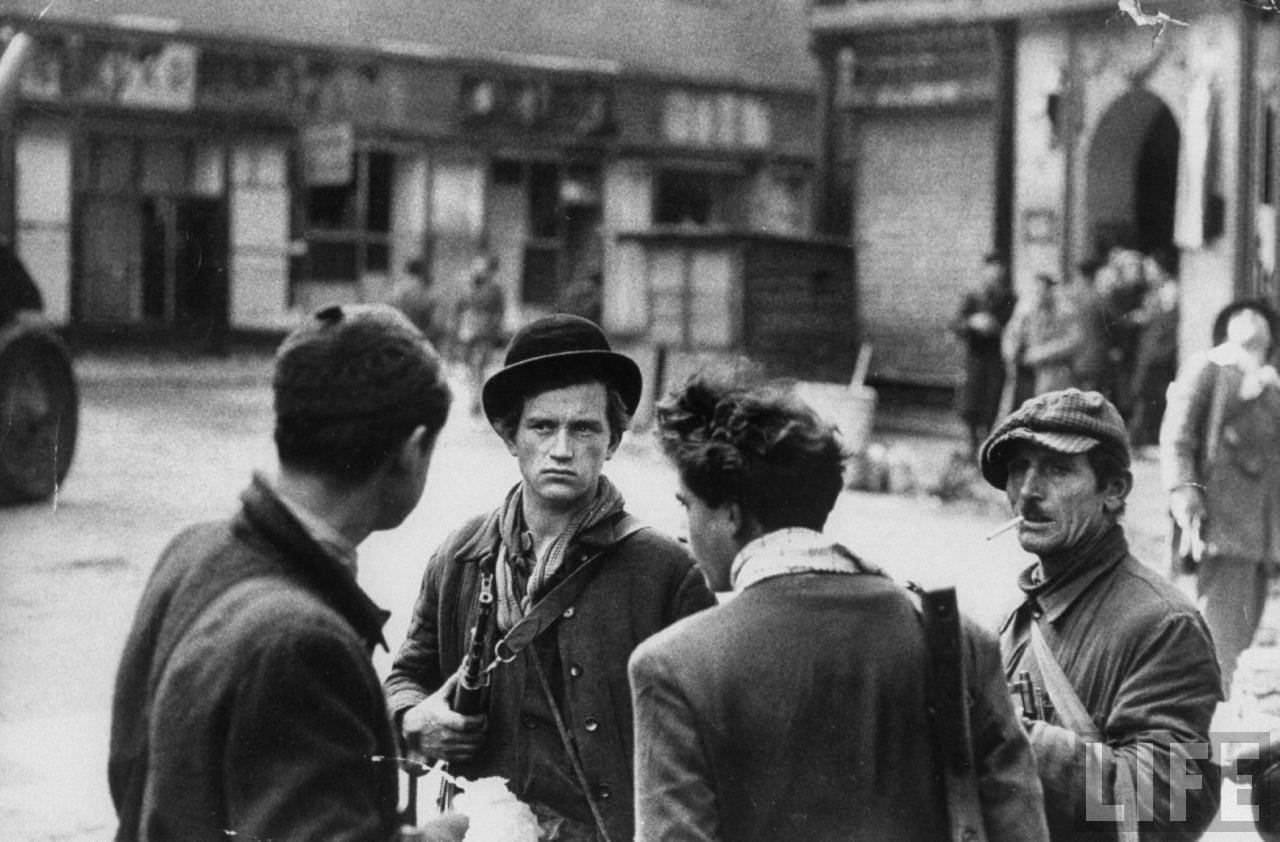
(628, 206)
(43, 157)
(259, 236)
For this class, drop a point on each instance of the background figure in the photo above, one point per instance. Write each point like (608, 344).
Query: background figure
(1156, 359)
(583, 297)
(1124, 291)
(773, 716)
(1049, 335)
(480, 324)
(1220, 460)
(979, 324)
(1089, 368)
(415, 297)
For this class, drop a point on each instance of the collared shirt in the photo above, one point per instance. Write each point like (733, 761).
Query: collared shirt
(1139, 657)
(321, 532)
(792, 550)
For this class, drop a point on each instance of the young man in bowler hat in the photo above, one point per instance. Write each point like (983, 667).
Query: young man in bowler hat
(1123, 655)
(246, 704)
(798, 709)
(576, 586)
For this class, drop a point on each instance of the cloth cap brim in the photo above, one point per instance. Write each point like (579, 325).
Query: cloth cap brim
(994, 467)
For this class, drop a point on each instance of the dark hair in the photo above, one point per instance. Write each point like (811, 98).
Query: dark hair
(507, 420)
(757, 445)
(350, 450)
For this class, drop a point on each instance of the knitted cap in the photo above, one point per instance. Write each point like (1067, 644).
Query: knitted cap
(555, 344)
(1067, 421)
(359, 362)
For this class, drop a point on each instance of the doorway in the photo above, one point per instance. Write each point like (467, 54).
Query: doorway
(184, 277)
(1133, 176)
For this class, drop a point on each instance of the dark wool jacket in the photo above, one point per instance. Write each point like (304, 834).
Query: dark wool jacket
(1141, 661)
(246, 702)
(643, 584)
(798, 711)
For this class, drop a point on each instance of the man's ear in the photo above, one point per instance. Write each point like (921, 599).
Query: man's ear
(1116, 490)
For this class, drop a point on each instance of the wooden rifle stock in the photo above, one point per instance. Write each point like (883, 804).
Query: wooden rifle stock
(948, 699)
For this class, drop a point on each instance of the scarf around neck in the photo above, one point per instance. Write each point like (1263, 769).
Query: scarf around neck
(521, 576)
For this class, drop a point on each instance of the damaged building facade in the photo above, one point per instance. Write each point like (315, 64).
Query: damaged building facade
(197, 169)
(1048, 130)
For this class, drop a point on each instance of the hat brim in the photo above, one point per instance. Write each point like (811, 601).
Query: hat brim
(609, 367)
(994, 457)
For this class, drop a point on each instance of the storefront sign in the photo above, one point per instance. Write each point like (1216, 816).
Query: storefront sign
(163, 78)
(146, 77)
(328, 151)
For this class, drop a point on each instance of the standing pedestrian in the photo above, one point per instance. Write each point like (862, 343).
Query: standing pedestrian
(1156, 359)
(415, 296)
(480, 324)
(1122, 654)
(984, 311)
(246, 704)
(1047, 337)
(576, 586)
(799, 708)
(1089, 368)
(1220, 460)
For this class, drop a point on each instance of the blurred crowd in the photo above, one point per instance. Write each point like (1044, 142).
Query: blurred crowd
(1112, 327)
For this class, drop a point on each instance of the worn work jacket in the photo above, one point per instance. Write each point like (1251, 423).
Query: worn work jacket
(642, 584)
(1140, 659)
(246, 704)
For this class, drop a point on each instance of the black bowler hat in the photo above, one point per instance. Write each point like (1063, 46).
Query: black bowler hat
(553, 347)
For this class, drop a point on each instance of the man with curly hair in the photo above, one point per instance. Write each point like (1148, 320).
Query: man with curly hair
(797, 709)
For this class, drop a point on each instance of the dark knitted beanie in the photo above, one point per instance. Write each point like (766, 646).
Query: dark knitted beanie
(363, 363)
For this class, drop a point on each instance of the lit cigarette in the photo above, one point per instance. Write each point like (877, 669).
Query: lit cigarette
(1005, 527)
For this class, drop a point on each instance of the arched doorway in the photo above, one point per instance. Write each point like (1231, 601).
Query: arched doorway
(1132, 176)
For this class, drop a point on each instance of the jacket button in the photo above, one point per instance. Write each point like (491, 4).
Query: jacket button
(575, 671)
(528, 723)
(568, 612)
(603, 792)
(591, 724)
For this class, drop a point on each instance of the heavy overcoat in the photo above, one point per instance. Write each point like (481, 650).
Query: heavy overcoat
(798, 710)
(246, 704)
(642, 584)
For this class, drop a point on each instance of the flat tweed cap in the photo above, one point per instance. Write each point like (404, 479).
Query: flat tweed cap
(1066, 421)
(357, 362)
(558, 344)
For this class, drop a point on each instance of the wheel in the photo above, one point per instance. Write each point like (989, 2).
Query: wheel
(39, 417)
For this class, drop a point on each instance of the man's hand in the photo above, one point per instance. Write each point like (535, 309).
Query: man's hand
(434, 731)
(1186, 504)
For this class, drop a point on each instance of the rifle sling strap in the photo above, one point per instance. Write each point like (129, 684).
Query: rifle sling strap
(1073, 714)
(551, 607)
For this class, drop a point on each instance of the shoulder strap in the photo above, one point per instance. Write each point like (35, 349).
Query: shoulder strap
(1075, 716)
(947, 698)
(549, 609)
(1070, 709)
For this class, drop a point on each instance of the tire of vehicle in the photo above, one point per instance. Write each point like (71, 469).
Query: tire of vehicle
(39, 413)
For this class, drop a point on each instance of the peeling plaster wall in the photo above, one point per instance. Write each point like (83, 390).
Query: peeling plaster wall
(1040, 161)
(1110, 59)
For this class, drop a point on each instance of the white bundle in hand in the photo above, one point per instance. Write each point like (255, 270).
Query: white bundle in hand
(495, 814)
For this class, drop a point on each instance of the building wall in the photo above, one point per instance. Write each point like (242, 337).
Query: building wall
(1041, 128)
(1109, 81)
